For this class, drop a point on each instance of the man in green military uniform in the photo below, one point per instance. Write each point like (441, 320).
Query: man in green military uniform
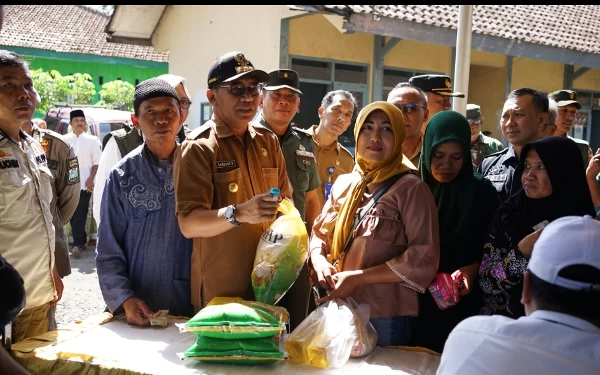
(567, 103)
(481, 145)
(279, 103)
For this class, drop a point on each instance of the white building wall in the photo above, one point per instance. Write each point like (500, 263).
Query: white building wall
(253, 30)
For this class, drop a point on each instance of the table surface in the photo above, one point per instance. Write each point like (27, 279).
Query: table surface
(108, 346)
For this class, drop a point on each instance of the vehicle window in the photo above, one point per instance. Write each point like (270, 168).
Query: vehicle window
(107, 127)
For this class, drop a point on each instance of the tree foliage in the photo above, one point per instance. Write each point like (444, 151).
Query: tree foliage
(118, 94)
(79, 88)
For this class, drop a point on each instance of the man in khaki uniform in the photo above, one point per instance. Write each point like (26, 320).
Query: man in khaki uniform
(26, 230)
(336, 113)
(412, 101)
(63, 165)
(481, 145)
(567, 103)
(438, 88)
(222, 175)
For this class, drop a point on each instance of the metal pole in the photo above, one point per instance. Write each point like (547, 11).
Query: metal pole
(463, 57)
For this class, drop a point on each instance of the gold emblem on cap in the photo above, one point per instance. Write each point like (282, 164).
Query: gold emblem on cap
(264, 152)
(301, 147)
(233, 187)
(448, 83)
(244, 64)
(285, 75)
(572, 95)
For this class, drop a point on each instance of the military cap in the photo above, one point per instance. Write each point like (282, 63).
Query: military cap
(437, 83)
(473, 112)
(231, 66)
(565, 97)
(281, 78)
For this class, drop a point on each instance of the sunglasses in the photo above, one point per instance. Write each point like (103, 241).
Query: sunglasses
(409, 107)
(238, 89)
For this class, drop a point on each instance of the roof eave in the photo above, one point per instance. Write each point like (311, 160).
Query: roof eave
(402, 29)
(112, 29)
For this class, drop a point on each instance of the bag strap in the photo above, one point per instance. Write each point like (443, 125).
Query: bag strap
(359, 218)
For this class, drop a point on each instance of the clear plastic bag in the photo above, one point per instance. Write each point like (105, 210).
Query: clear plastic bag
(325, 338)
(280, 255)
(367, 336)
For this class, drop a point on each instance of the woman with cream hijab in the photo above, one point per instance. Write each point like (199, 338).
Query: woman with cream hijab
(392, 252)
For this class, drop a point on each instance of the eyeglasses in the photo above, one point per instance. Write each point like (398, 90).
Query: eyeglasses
(409, 107)
(287, 97)
(185, 104)
(239, 89)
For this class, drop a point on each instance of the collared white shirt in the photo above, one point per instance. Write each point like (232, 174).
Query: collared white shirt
(110, 157)
(87, 148)
(545, 343)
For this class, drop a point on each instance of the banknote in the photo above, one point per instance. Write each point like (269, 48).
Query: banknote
(160, 320)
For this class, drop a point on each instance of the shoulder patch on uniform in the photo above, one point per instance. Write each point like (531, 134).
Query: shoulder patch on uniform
(72, 171)
(196, 132)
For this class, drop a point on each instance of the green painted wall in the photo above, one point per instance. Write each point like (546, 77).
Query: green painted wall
(109, 68)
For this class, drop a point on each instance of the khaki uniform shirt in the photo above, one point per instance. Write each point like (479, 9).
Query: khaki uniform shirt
(482, 147)
(297, 147)
(63, 165)
(417, 155)
(334, 155)
(214, 169)
(26, 230)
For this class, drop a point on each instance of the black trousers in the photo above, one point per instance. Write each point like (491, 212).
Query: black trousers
(79, 218)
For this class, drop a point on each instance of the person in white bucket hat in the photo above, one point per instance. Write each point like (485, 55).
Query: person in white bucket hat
(560, 333)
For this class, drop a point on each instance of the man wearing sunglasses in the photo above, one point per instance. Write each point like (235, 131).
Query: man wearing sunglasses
(412, 101)
(481, 145)
(222, 175)
(438, 88)
(279, 103)
(119, 143)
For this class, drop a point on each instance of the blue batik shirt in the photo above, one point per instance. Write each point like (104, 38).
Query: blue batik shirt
(141, 251)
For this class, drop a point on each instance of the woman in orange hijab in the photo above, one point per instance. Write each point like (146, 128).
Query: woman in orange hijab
(382, 254)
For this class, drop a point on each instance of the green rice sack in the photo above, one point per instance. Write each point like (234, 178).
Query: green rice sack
(238, 320)
(211, 347)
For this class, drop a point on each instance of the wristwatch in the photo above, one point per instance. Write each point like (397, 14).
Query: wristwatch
(230, 215)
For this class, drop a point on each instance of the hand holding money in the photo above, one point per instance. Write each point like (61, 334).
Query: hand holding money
(160, 318)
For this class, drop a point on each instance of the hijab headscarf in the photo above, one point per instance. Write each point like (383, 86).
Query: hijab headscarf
(370, 172)
(455, 199)
(570, 192)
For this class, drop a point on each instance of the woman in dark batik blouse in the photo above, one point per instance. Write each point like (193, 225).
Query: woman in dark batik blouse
(554, 185)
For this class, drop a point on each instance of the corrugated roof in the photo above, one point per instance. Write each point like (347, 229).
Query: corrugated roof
(67, 28)
(574, 27)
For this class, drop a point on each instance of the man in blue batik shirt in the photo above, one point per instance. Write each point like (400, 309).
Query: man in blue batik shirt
(143, 260)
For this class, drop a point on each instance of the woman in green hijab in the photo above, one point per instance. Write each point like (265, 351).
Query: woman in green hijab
(466, 203)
